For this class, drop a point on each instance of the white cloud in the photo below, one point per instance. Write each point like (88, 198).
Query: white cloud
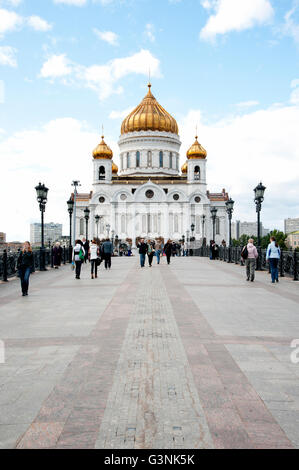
(294, 99)
(44, 154)
(56, 66)
(2, 93)
(107, 36)
(103, 79)
(234, 15)
(290, 27)
(7, 56)
(76, 3)
(150, 32)
(38, 24)
(243, 150)
(9, 21)
(247, 104)
(120, 114)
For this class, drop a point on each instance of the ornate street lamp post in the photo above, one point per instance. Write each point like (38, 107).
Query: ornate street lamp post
(259, 192)
(214, 216)
(229, 209)
(108, 229)
(42, 197)
(70, 208)
(86, 216)
(97, 219)
(203, 220)
(75, 183)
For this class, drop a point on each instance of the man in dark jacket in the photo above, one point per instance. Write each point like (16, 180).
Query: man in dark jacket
(107, 249)
(142, 251)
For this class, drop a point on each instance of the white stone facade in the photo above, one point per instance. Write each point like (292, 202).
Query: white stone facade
(150, 197)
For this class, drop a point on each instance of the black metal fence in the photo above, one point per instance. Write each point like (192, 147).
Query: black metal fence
(288, 264)
(8, 261)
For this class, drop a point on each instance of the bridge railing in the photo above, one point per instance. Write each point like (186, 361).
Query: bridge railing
(288, 263)
(8, 261)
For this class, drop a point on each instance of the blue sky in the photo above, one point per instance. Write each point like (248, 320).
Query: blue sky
(228, 66)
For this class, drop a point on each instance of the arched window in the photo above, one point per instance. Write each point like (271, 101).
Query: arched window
(170, 160)
(197, 173)
(149, 158)
(121, 162)
(128, 160)
(81, 226)
(177, 163)
(161, 159)
(102, 173)
(137, 159)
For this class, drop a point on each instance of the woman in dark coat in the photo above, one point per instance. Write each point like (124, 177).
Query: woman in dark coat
(57, 255)
(168, 250)
(25, 266)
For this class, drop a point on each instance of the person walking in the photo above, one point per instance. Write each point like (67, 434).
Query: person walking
(25, 266)
(86, 249)
(57, 255)
(94, 259)
(107, 249)
(249, 255)
(273, 256)
(142, 246)
(168, 250)
(158, 250)
(150, 252)
(78, 257)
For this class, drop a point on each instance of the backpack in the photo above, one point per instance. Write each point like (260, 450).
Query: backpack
(244, 252)
(81, 255)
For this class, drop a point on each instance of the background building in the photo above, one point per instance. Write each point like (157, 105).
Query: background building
(247, 228)
(52, 232)
(291, 225)
(293, 240)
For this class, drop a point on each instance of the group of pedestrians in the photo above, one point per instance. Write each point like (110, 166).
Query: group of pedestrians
(151, 248)
(249, 254)
(95, 252)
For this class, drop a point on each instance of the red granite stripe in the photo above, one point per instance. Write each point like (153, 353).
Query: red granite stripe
(236, 416)
(75, 407)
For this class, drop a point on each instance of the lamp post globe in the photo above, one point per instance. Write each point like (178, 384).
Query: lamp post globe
(230, 209)
(42, 197)
(259, 192)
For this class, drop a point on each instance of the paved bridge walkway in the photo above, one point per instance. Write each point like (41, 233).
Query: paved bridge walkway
(182, 356)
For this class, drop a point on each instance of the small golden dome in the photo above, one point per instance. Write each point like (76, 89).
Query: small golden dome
(184, 168)
(102, 151)
(149, 115)
(196, 151)
(114, 169)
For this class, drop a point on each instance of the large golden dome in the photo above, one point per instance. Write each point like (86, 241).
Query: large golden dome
(102, 151)
(149, 116)
(196, 151)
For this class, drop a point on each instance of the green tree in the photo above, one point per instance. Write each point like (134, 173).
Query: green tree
(279, 236)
